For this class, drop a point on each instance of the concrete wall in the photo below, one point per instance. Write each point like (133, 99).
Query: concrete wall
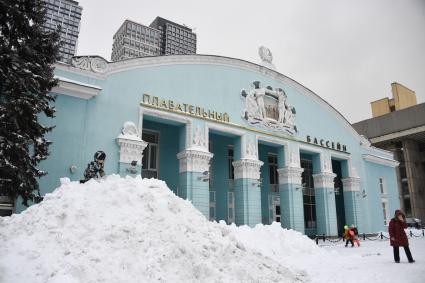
(415, 169)
(403, 97)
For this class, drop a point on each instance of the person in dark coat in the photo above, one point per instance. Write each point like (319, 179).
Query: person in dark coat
(398, 237)
(95, 168)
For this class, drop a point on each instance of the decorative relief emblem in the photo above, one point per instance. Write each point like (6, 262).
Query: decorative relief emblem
(90, 63)
(199, 137)
(265, 54)
(130, 143)
(130, 129)
(251, 149)
(268, 107)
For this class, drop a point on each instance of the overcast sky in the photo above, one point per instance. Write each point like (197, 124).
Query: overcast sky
(348, 52)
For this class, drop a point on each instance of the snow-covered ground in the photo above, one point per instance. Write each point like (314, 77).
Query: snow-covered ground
(134, 230)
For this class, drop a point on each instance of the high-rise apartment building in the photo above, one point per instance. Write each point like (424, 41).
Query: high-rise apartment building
(175, 38)
(135, 40)
(161, 37)
(67, 14)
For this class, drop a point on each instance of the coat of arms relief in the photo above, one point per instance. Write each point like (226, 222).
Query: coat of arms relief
(269, 108)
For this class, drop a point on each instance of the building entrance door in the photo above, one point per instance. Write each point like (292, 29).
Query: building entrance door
(150, 154)
(274, 208)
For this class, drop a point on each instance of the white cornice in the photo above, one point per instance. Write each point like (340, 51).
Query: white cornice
(76, 89)
(163, 114)
(380, 160)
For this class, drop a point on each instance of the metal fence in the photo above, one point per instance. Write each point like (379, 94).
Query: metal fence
(381, 236)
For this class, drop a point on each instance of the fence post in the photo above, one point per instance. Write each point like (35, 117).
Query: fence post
(324, 237)
(411, 234)
(423, 234)
(364, 236)
(317, 240)
(382, 236)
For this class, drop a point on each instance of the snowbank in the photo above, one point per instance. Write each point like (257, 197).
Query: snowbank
(134, 230)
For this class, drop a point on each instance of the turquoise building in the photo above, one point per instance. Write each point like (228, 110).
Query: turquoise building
(244, 143)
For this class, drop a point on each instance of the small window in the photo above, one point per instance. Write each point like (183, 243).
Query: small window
(382, 186)
(385, 212)
(274, 178)
(230, 158)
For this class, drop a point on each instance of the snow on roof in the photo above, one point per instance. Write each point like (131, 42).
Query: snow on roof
(76, 82)
(135, 230)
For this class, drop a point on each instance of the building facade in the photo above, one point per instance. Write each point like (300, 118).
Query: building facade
(135, 40)
(244, 143)
(402, 131)
(162, 37)
(175, 38)
(67, 14)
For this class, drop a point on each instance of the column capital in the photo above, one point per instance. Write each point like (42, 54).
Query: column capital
(247, 168)
(351, 184)
(324, 180)
(290, 175)
(192, 160)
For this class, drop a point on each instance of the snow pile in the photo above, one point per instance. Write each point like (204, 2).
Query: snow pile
(277, 243)
(134, 230)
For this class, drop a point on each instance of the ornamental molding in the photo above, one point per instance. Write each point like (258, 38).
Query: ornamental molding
(247, 168)
(290, 175)
(192, 160)
(324, 180)
(130, 143)
(381, 160)
(90, 63)
(351, 184)
(268, 108)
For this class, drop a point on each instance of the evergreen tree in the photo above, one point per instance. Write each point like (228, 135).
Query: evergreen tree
(27, 54)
